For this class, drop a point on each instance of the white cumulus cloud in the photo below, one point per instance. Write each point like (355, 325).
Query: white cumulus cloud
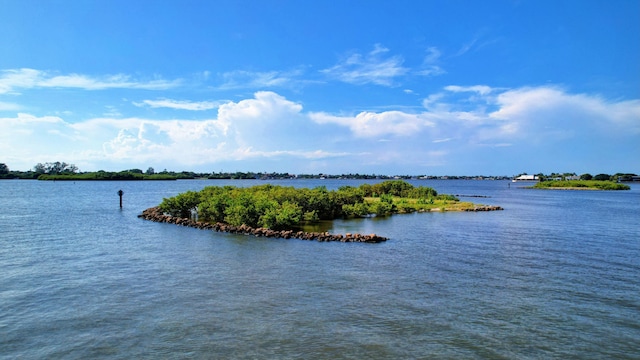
(268, 128)
(370, 124)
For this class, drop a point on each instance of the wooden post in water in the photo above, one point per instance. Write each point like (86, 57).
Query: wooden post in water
(120, 193)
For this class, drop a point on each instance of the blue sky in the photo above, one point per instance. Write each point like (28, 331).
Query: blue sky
(377, 87)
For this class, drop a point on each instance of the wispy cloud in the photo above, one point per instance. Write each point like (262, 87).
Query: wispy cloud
(480, 89)
(478, 42)
(430, 65)
(466, 47)
(433, 55)
(180, 104)
(437, 141)
(5, 106)
(371, 68)
(242, 79)
(15, 79)
(249, 152)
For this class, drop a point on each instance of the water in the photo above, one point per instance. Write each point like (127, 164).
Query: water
(554, 275)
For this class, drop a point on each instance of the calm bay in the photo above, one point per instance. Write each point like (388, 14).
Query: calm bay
(554, 275)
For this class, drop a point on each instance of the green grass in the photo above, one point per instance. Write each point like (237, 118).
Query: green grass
(407, 205)
(581, 185)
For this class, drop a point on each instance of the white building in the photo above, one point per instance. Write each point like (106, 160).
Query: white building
(526, 178)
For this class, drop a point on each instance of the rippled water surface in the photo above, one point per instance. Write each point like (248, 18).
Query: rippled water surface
(554, 275)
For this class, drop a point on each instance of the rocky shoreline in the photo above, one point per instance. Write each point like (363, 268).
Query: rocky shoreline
(485, 208)
(156, 215)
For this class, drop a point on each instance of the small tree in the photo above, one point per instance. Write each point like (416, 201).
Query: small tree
(4, 169)
(39, 168)
(586, 176)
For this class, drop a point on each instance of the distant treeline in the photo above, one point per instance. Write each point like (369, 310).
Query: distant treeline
(105, 175)
(64, 171)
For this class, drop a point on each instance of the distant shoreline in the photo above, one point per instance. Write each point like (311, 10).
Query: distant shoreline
(580, 185)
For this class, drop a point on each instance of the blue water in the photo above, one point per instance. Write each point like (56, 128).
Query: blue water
(554, 275)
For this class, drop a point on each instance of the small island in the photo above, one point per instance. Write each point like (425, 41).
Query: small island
(580, 185)
(279, 211)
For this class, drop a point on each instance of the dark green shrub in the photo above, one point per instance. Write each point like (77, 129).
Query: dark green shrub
(356, 210)
(281, 216)
(181, 204)
(382, 208)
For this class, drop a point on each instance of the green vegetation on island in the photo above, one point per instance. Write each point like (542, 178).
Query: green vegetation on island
(581, 185)
(278, 207)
